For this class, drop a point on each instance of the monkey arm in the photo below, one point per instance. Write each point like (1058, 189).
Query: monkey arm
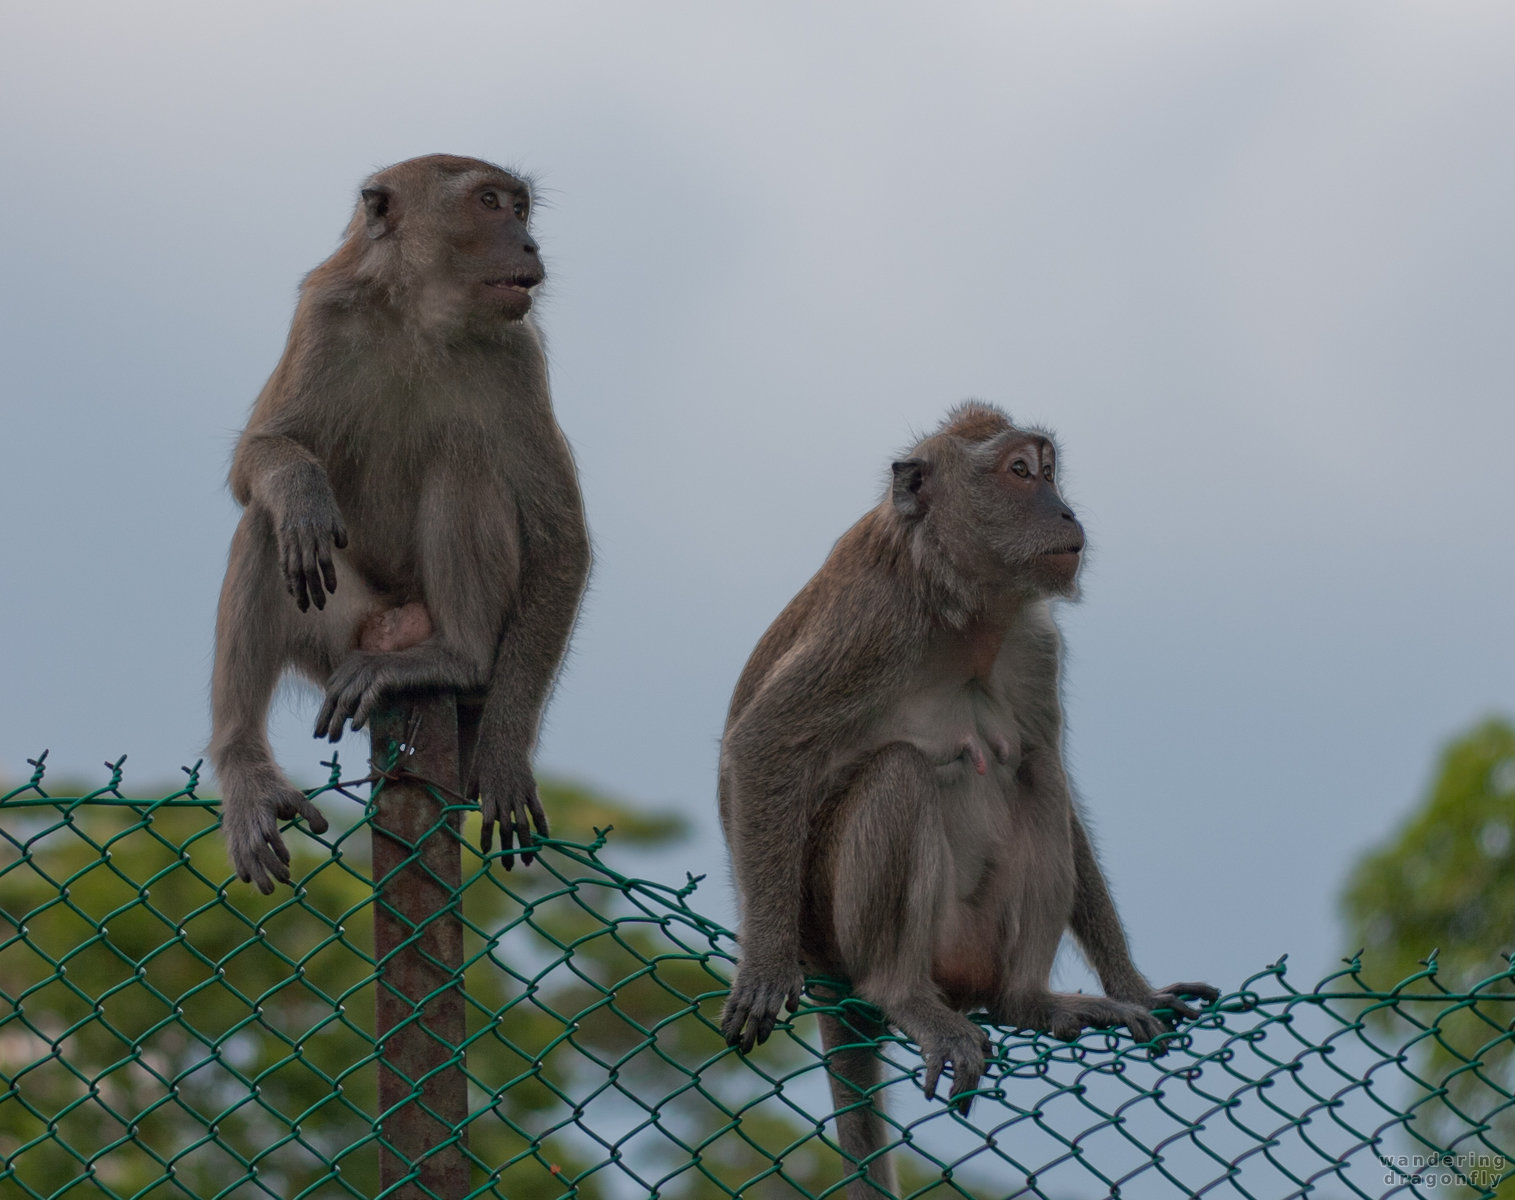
(525, 668)
(1103, 939)
(778, 774)
(1097, 926)
(285, 479)
(770, 806)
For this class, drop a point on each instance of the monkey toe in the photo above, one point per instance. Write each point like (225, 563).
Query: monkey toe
(508, 799)
(1144, 1027)
(734, 1021)
(1171, 1000)
(965, 1053)
(1065, 1027)
(1202, 992)
(261, 863)
(295, 805)
(523, 840)
(753, 1010)
(962, 1095)
(1168, 1002)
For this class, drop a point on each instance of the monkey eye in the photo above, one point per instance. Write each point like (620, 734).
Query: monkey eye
(520, 209)
(490, 200)
(1019, 467)
(1047, 472)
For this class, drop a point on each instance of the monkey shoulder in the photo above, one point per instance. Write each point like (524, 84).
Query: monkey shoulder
(821, 670)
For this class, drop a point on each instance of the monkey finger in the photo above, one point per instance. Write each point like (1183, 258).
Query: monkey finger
(507, 844)
(328, 568)
(297, 587)
(538, 813)
(286, 568)
(267, 867)
(310, 568)
(933, 1076)
(524, 839)
(339, 534)
(313, 817)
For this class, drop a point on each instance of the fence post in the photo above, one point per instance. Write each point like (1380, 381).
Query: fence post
(421, 1020)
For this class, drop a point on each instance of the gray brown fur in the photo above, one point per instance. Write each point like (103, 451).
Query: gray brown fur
(413, 517)
(892, 784)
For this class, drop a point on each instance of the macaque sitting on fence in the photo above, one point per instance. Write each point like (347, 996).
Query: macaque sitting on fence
(413, 517)
(893, 791)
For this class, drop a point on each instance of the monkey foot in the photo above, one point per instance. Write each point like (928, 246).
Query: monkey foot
(965, 1050)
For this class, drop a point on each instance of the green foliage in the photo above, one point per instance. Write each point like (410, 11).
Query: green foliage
(1445, 881)
(1436, 903)
(170, 1032)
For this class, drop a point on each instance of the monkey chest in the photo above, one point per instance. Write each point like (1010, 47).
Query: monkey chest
(968, 735)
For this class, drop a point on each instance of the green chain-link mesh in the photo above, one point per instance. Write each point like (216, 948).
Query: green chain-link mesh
(166, 1032)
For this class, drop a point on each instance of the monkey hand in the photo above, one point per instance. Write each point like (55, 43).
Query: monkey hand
(307, 535)
(964, 1047)
(251, 827)
(758, 994)
(507, 792)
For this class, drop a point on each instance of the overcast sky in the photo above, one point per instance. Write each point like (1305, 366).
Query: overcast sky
(1253, 261)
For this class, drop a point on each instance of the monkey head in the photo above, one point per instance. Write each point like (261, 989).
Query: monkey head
(983, 495)
(451, 236)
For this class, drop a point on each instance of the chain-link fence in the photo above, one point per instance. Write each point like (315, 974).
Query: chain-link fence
(166, 1032)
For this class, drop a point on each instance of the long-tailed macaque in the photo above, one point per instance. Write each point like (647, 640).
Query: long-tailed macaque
(413, 517)
(893, 791)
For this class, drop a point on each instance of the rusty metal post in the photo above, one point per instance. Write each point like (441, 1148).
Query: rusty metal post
(421, 1020)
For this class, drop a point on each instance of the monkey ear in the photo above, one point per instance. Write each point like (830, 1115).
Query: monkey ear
(909, 477)
(377, 219)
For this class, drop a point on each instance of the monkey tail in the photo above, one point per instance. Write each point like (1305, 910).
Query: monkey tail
(853, 1069)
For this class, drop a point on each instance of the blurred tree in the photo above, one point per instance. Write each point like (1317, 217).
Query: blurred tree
(1441, 891)
(165, 1031)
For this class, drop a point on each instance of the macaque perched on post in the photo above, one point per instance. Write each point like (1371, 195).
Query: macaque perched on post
(413, 517)
(893, 791)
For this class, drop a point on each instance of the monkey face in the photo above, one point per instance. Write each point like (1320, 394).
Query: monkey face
(456, 231)
(1047, 537)
(993, 509)
(498, 244)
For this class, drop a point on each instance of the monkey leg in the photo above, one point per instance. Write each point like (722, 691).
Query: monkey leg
(853, 1071)
(470, 715)
(252, 646)
(890, 883)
